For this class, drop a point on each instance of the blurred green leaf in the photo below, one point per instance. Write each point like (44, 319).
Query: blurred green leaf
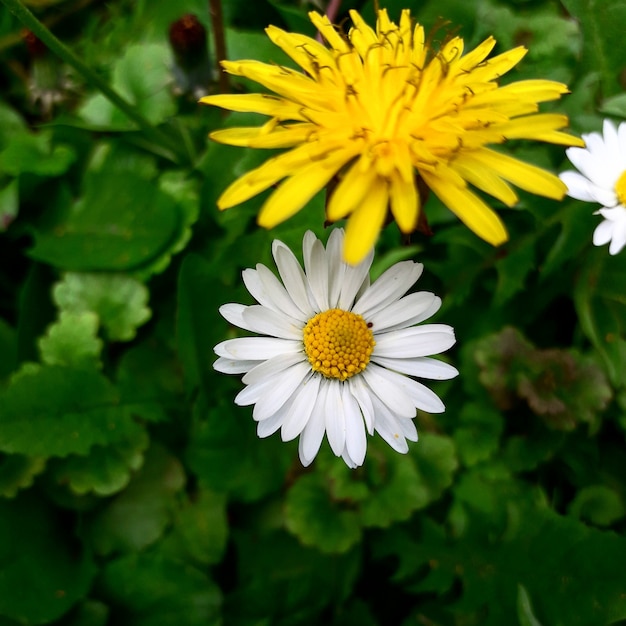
(18, 472)
(119, 302)
(525, 613)
(616, 105)
(138, 516)
(72, 340)
(35, 154)
(105, 470)
(9, 204)
(477, 436)
(317, 520)
(598, 504)
(152, 590)
(601, 24)
(56, 411)
(43, 572)
(142, 76)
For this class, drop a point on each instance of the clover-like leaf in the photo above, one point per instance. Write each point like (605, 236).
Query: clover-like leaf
(120, 302)
(72, 340)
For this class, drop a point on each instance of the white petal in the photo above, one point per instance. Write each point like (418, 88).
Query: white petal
(276, 296)
(583, 189)
(388, 387)
(619, 237)
(268, 427)
(408, 429)
(603, 233)
(271, 400)
(392, 284)
(362, 394)
(313, 433)
(389, 428)
(336, 266)
(272, 368)
(301, 409)
(407, 308)
(233, 314)
(233, 366)
(354, 278)
(264, 321)
(335, 418)
(348, 460)
(415, 342)
(316, 267)
(256, 348)
(253, 393)
(422, 367)
(293, 277)
(356, 441)
(423, 398)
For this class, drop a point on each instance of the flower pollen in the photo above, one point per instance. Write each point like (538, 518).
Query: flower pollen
(620, 188)
(338, 344)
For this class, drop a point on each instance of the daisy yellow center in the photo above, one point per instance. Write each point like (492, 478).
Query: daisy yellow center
(338, 343)
(620, 188)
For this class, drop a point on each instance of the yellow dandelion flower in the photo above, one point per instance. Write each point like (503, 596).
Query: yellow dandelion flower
(379, 108)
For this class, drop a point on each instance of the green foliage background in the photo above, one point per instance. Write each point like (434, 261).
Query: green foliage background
(133, 492)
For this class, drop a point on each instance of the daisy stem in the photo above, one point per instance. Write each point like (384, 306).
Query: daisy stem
(217, 21)
(169, 148)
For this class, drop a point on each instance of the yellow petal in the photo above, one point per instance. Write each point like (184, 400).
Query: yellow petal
(365, 224)
(349, 193)
(404, 203)
(482, 177)
(254, 137)
(297, 190)
(529, 126)
(323, 24)
(524, 175)
(470, 209)
(264, 104)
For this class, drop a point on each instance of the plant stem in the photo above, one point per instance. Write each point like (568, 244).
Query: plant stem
(217, 22)
(62, 51)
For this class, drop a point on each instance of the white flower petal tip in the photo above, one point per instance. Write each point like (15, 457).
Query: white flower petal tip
(336, 357)
(601, 178)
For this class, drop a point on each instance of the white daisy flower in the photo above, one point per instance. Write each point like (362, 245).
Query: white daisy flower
(601, 178)
(338, 355)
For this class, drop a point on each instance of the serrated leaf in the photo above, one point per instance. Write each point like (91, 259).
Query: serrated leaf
(42, 574)
(18, 472)
(120, 302)
(105, 470)
(56, 411)
(477, 436)
(138, 516)
(151, 590)
(72, 340)
(316, 520)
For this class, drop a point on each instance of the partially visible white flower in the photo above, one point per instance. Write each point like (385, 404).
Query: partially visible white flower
(338, 356)
(601, 178)
(612, 229)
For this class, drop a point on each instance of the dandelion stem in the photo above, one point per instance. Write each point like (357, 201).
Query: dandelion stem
(61, 50)
(217, 22)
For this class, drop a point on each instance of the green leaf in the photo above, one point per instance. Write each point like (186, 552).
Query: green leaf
(8, 349)
(72, 340)
(601, 23)
(105, 470)
(525, 613)
(317, 520)
(138, 516)
(56, 411)
(120, 302)
(615, 105)
(598, 504)
(9, 204)
(200, 529)
(153, 590)
(477, 436)
(18, 472)
(601, 309)
(224, 436)
(42, 572)
(143, 225)
(35, 154)
(513, 268)
(142, 76)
